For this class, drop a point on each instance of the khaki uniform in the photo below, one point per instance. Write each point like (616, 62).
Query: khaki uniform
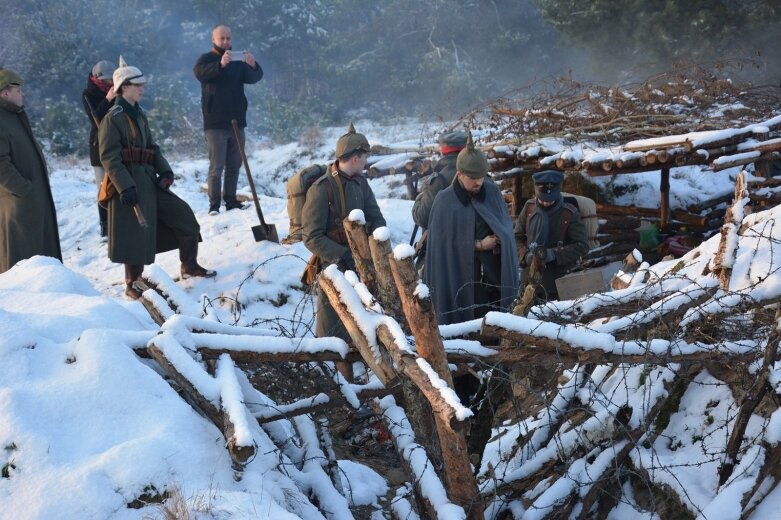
(168, 217)
(28, 220)
(321, 217)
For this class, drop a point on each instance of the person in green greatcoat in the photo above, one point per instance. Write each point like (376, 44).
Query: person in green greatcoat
(142, 178)
(28, 220)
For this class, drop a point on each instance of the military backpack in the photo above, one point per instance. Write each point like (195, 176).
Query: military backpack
(297, 186)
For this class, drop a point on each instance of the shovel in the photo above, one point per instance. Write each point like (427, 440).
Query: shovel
(263, 231)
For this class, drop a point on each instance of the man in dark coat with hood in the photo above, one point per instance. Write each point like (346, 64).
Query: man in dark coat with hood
(550, 228)
(97, 99)
(223, 74)
(28, 220)
(471, 264)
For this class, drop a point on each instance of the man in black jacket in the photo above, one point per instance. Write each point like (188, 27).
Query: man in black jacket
(223, 73)
(97, 99)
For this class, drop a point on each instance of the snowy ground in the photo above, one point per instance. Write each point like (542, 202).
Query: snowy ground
(88, 427)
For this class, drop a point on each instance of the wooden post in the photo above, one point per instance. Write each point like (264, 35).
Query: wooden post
(762, 166)
(239, 454)
(421, 316)
(752, 399)
(358, 241)
(386, 293)
(445, 445)
(412, 193)
(664, 203)
(517, 194)
(379, 365)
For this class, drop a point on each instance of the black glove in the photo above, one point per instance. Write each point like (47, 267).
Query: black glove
(129, 197)
(346, 262)
(166, 180)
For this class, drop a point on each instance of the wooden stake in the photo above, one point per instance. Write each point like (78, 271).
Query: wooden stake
(358, 240)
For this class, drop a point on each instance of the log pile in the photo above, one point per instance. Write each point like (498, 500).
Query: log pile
(615, 370)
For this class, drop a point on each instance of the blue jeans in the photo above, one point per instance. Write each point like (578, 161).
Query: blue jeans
(223, 155)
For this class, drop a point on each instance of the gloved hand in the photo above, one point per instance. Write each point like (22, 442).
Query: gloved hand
(129, 197)
(550, 256)
(166, 180)
(527, 260)
(346, 262)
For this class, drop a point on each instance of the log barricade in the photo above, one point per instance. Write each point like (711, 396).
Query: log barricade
(563, 453)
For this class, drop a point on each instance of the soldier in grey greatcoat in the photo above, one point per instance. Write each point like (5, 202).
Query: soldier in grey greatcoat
(28, 220)
(471, 264)
(549, 227)
(142, 178)
(329, 200)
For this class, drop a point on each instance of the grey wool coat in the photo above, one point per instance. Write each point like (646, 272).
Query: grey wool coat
(167, 215)
(450, 257)
(28, 220)
(319, 217)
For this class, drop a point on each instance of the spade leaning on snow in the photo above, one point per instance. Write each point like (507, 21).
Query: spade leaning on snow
(144, 216)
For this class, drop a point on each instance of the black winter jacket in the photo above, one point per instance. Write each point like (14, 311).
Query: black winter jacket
(95, 106)
(222, 89)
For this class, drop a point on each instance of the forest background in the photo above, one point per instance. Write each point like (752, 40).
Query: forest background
(326, 60)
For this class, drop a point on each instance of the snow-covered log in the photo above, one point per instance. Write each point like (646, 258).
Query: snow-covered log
(721, 265)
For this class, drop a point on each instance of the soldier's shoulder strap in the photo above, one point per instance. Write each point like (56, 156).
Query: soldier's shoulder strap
(114, 111)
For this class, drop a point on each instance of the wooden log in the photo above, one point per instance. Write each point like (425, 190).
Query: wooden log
(721, 265)
(664, 198)
(707, 204)
(220, 418)
(386, 293)
(753, 397)
(421, 317)
(358, 240)
(767, 480)
(309, 405)
(650, 157)
(633, 211)
(257, 358)
(378, 364)
(561, 350)
(740, 160)
(518, 199)
(711, 142)
(461, 484)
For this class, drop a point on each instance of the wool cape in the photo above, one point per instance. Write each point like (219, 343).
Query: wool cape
(167, 216)
(28, 220)
(450, 257)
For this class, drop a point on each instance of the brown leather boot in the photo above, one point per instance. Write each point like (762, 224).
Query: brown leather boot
(188, 255)
(134, 286)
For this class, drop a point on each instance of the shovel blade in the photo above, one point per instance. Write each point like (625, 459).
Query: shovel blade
(267, 232)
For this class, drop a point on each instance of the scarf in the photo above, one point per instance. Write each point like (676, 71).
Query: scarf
(103, 86)
(539, 223)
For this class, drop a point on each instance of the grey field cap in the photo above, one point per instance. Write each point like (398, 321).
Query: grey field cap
(103, 70)
(472, 162)
(456, 138)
